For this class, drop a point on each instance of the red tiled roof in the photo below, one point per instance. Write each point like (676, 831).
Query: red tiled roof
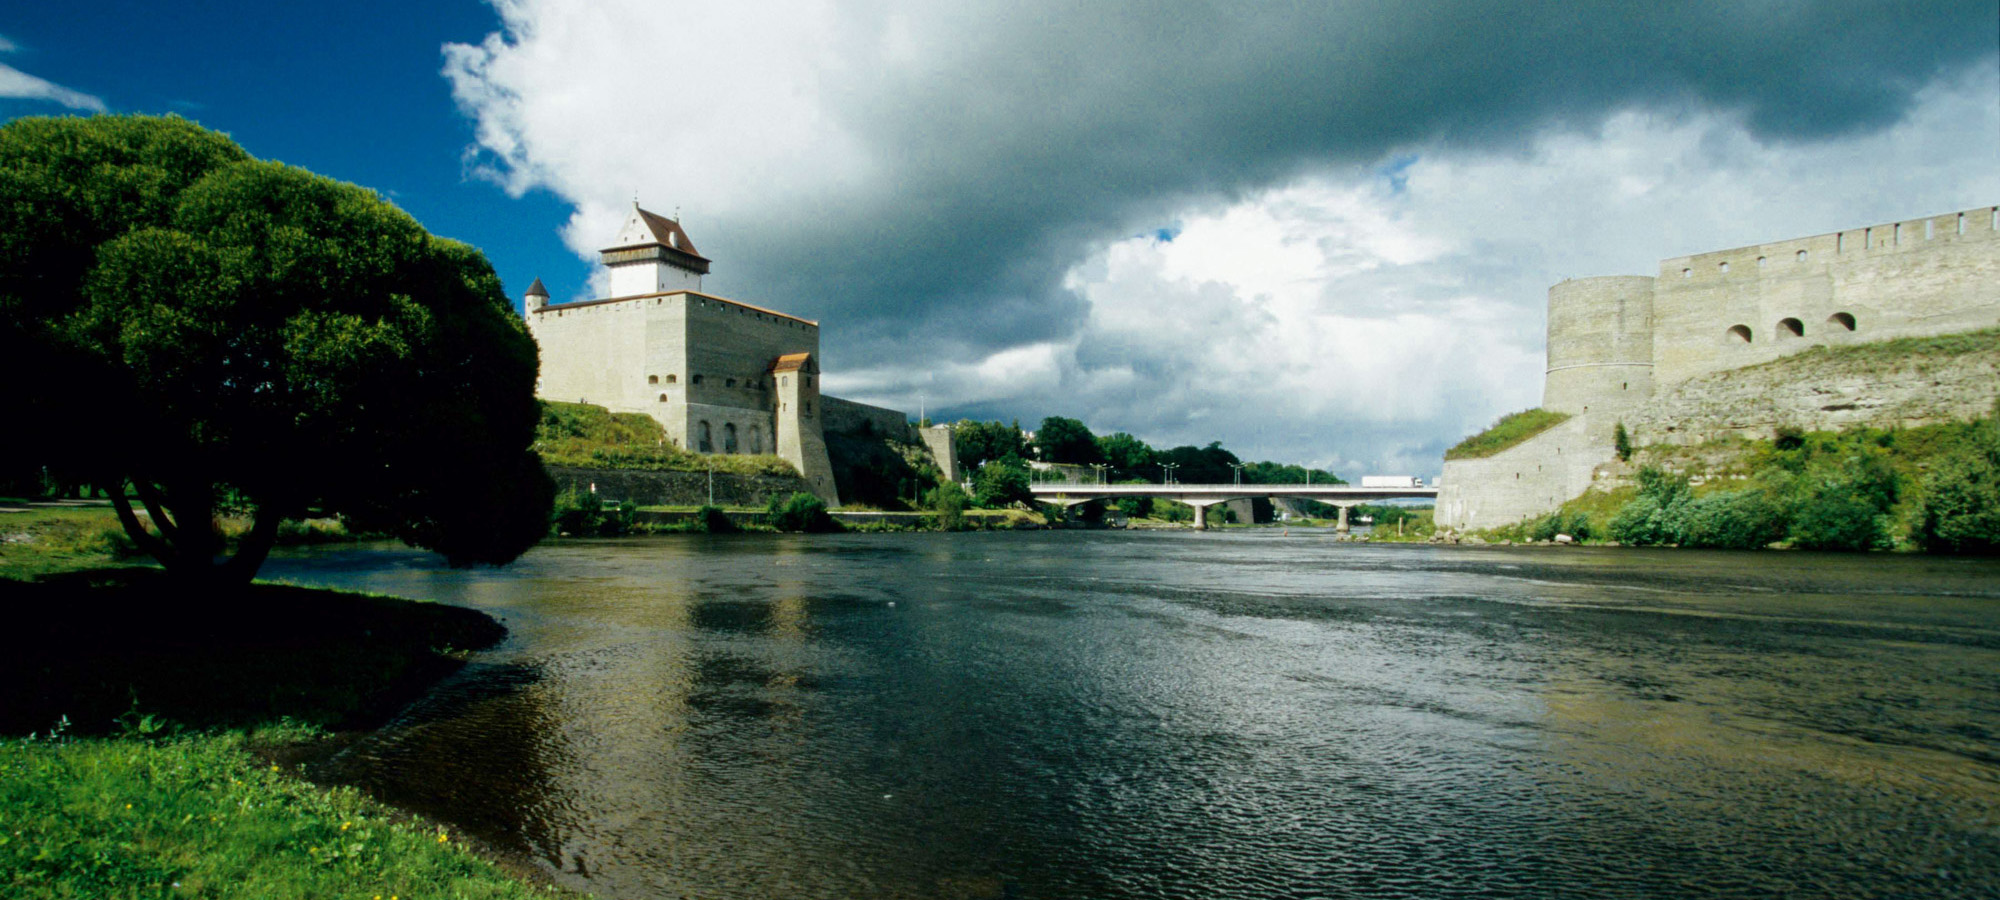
(792, 362)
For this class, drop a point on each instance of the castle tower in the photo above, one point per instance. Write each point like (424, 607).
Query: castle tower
(537, 297)
(1600, 345)
(652, 254)
(799, 437)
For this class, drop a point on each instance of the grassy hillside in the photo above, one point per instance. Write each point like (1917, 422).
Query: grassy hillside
(586, 436)
(1511, 430)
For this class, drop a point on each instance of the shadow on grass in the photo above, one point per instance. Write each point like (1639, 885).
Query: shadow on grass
(94, 646)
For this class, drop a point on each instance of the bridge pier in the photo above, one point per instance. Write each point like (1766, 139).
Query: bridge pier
(1340, 527)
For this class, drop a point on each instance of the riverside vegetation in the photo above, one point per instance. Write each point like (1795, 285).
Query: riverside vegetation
(1934, 488)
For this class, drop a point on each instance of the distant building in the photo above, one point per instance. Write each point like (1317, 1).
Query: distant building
(720, 375)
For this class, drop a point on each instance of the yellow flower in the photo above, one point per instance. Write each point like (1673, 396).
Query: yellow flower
(346, 825)
(128, 806)
(274, 767)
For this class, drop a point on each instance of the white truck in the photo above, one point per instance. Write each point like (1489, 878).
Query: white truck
(1391, 481)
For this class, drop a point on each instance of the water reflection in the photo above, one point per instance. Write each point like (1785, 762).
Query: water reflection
(1235, 715)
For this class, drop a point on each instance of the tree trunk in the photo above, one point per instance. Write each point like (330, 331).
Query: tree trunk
(187, 543)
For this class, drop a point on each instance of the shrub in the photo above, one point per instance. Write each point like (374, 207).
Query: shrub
(801, 512)
(1735, 520)
(1576, 525)
(712, 520)
(1001, 483)
(1833, 521)
(1658, 515)
(948, 500)
(1621, 442)
(583, 514)
(1960, 512)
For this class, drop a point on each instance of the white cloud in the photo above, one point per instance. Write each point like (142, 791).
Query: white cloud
(18, 85)
(1367, 228)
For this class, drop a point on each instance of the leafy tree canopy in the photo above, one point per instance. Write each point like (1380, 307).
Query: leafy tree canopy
(264, 337)
(1127, 455)
(979, 442)
(1062, 440)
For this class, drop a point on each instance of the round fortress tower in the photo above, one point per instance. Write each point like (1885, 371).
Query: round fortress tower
(1600, 344)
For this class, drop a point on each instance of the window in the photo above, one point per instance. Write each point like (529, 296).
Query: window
(652, 379)
(729, 437)
(809, 409)
(1961, 223)
(1760, 262)
(1930, 229)
(705, 444)
(756, 439)
(1802, 256)
(1841, 320)
(1791, 328)
(1723, 266)
(809, 381)
(1739, 334)
(785, 380)
(672, 378)
(663, 398)
(1840, 242)
(697, 378)
(1687, 273)
(729, 382)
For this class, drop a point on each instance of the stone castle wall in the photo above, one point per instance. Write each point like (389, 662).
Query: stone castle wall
(1722, 332)
(849, 417)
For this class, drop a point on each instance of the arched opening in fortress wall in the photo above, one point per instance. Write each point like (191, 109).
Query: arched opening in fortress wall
(1737, 334)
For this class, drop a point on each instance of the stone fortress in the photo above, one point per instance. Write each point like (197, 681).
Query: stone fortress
(1666, 354)
(720, 375)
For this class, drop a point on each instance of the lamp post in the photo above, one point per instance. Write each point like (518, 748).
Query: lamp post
(1167, 472)
(1239, 472)
(1100, 467)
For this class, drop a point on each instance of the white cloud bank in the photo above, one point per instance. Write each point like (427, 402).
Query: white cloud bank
(18, 85)
(956, 192)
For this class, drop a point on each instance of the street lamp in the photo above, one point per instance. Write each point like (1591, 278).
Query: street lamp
(1167, 472)
(1100, 467)
(1239, 471)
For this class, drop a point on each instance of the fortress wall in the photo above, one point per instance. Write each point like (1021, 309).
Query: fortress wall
(1527, 480)
(666, 374)
(849, 417)
(1825, 392)
(756, 430)
(730, 348)
(592, 353)
(1921, 277)
(1600, 349)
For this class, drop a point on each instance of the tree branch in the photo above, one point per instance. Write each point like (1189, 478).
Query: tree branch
(252, 548)
(156, 507)
(157, 548)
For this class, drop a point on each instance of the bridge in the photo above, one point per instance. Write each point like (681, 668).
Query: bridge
(1203, 496)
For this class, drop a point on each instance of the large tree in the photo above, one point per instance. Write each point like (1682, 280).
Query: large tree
(1065, 440)
(250, 334)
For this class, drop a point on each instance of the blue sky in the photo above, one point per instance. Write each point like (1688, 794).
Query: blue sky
(1319, 233)
(351, 90)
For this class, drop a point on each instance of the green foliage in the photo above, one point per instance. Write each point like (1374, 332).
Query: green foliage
(871, 470)
(582, 514)
(1288, 473)
(1511, 429)
(712, 520)
(981, 442)
(583, 435)
(1576, 525)
(1960, 511)
(1128, 456)
(1062, 440)
(1657, 514)
(265, 333)
(1001, 482)
(801, 512)
(1732, 520)
(1621, 442)
(949, 501)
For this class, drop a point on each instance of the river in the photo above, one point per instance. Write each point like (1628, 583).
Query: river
(1236, 714)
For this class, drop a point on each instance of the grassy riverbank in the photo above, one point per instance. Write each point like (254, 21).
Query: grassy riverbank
(152, 744)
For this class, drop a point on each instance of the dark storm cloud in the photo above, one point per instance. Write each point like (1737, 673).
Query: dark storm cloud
(1036, 130)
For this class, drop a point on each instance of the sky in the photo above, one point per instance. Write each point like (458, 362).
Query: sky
(1316, 232)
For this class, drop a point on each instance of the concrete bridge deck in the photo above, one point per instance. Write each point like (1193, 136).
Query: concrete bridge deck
(1203, 496)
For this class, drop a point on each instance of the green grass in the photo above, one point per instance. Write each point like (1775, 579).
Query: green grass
(581, 435)
(170, 710)
(202, 817)
(1512, 429)
(51, 540)
(1891, 351)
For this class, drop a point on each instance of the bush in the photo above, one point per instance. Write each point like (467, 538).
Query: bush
(1576, 525)
(948, 500)
(1960, 512)
(583, 514)
(1658, 515)
(1001, 483)
(712, 520)
(1736, 520)
(801, 512)
(1830, 520)
(1621, 442)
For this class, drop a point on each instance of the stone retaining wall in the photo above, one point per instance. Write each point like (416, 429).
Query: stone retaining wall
(676, 488)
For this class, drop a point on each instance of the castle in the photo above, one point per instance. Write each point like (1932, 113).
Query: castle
(721, 376)
(1630, 349)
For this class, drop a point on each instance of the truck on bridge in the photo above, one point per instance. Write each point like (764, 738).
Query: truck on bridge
(1391, 481)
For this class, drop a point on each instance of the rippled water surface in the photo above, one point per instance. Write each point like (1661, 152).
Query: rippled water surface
(1233, 715)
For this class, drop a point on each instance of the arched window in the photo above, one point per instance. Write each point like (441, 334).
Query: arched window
(1791, 328)
(1841, 320)
(652, 379)
(663, 398)
(1802, 256)
(703, 442)
(673, 378)
(756, 439)
(729, 437)
(1739, 334)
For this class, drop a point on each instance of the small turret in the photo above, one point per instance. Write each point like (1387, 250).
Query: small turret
(538, 296)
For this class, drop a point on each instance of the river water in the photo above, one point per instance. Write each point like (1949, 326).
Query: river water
(1244, 714)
